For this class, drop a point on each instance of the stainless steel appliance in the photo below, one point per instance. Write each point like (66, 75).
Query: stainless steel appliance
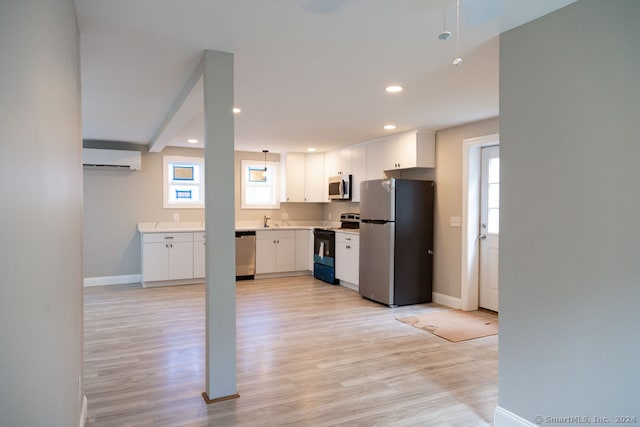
(245, 255)
(340, 187)
(396, 241)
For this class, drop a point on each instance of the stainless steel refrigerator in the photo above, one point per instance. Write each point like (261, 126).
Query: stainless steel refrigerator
(396, 241)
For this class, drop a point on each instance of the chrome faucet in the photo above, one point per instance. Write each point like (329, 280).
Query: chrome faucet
(266, 221)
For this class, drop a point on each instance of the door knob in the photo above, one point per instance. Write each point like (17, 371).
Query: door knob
(482, 236)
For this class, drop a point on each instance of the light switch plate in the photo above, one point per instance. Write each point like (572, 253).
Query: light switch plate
(176, 216)
(456, 221)
(285, 215)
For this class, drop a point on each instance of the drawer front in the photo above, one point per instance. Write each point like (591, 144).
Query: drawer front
(275, 234)
(167, 237)
(199, 236)
(349, 238)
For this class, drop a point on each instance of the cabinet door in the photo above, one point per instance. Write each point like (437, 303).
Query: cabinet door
(295, 177)
(265, 256)
(358, 170)
(353, 258)
(341, 261)
(347, 265)
(314, 181)
(375, 160)
(343, 161)
(286, 254)
(180, 260)
(302, 250)
(155, 261)
(400, 151)
(199, 259)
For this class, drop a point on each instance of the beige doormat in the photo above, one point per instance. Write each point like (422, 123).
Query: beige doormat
(455, 325)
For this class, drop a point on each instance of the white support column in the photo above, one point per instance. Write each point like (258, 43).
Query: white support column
(220, 227)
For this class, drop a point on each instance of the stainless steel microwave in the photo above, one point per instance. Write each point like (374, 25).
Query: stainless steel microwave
(340, 187)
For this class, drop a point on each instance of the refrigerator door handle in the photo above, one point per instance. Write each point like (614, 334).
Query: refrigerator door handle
(375, 221)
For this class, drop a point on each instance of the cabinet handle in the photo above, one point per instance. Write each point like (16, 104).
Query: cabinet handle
(168, 237)
(348, 247)
(347, 238)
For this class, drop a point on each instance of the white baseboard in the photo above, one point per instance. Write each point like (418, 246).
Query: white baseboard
(83, 412)
(504, 418)
(443, 299)
(112, 280)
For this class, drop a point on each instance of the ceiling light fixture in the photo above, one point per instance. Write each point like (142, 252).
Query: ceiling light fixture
(389, 127)
(311, 149)
(458, 59)
(264, 171)
(445, 34)
(192, 141)
(236, 110)
(394, 88)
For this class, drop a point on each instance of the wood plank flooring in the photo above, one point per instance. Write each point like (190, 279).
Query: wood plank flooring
(308, 354)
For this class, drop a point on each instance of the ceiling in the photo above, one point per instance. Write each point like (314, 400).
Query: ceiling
(308, 73)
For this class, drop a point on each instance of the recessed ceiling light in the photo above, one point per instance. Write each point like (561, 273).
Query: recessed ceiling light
(311, 149)
(192, 141)
(394, 88)
(236, 110)
(389, 127)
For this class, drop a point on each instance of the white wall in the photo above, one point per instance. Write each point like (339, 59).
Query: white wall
(569, 270)
(41, 215)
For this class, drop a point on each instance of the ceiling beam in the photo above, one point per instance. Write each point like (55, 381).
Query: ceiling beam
(190, 101)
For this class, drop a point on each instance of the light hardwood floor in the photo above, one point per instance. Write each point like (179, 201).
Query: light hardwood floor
(308, 354)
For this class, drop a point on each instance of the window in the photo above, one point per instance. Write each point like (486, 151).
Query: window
(494, 196)
(259, 188)
(183, 182)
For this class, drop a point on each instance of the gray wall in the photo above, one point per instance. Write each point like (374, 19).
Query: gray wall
(115, 201)
(40, 189)
(569, 270)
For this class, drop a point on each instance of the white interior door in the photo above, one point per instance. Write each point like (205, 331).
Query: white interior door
(489, 227)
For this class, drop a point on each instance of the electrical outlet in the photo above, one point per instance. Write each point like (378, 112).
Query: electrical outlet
(176, 216)
(285, 215)
(329, 215)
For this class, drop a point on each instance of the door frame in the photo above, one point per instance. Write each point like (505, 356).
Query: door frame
(470, 221)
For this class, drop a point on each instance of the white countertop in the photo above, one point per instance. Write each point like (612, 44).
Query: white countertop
(187, 227)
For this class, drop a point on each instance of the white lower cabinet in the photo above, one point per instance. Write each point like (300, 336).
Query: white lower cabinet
(275, 251)
(347, 257)
(304, 250)
(199, 255)
(167, 256)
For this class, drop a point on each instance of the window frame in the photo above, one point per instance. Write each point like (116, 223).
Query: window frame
(274, 167)
(199, 184)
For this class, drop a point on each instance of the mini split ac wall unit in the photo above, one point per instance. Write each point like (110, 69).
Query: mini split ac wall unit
(111, 159)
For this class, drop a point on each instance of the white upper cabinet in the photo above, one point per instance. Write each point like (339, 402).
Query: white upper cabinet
(338, 162)
(295, 177)
(314, 182)
(304, 181)
(358, 169)
(406, 150)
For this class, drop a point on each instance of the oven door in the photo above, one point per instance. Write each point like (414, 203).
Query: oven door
(324, 247)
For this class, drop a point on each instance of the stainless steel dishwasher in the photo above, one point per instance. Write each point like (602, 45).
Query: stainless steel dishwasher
(245, 255)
